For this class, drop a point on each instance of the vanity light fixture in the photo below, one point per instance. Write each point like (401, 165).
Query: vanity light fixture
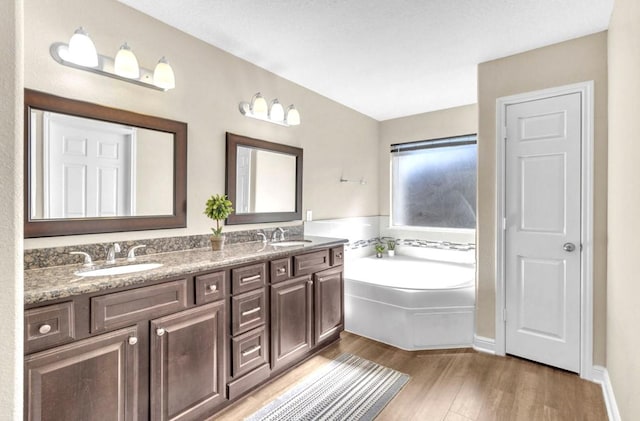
(81, 54)
(274, 112)
(126, 63)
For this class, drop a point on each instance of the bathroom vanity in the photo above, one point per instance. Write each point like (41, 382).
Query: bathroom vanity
(178, 342)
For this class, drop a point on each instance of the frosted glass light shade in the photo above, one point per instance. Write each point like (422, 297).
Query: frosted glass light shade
(276, 112)
(163, 76)
(126, 63)
(259, 106)
(82, 51)
(293, 116)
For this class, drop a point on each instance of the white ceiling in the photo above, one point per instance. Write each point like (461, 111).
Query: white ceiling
(384, 58)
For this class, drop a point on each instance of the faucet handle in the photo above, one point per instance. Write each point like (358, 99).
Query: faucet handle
(282, 231)
(131, 257)
(87, 257)
(263, 235)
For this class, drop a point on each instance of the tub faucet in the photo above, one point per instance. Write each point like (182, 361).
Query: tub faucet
(111, 253)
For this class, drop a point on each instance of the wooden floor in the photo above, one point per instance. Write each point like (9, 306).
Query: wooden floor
(454, 385)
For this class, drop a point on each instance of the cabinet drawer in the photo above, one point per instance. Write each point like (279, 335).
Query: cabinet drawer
(249, 351)
(312, 262)
(48, 326)
(124, 308)
(248, 311)
(280, 270)
(248, 278)
(211, 287)
(337, 256)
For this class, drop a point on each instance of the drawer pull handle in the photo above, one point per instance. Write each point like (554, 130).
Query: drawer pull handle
(248, 312)
(133, 340)
(212, 288)
(281, 270)
(251, 350)
(251, 278)
(44, 329)
(160, 331)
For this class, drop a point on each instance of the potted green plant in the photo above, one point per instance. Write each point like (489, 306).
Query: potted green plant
(391, 247)
(379, 250)
(218, 207)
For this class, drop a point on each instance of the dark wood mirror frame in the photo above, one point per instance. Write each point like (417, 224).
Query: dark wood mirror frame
(233, 141)
(56, 227)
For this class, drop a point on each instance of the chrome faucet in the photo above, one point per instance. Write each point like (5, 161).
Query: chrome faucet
(111, 253)
(87, 257)
(263, 235)
(131, 256)
(274, 235)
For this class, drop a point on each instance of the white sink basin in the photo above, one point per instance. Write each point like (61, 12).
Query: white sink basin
(119, 270)
(291, 243)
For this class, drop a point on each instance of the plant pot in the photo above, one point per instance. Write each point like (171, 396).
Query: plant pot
(379, 255)
(391, 253)
(217, 242)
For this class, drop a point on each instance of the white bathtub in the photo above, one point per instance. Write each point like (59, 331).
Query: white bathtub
(410, 303)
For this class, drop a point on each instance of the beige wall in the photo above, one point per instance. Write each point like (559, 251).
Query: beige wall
(11, 299)
(623, 286)
(577, 60)
(209, 85)
(450, 122)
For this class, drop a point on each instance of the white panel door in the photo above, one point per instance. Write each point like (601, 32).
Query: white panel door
(542, 238)
(88, 169)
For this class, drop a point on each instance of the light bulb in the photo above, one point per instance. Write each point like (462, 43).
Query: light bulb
(276, 112)
(82, 51)
(259, 106)
(126, 64)
(163, 76)
(293, 116)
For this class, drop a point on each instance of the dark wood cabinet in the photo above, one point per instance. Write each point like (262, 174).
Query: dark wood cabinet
(188, 364)
(291, 320)
(182, 348)
(91, 379)
(329, 304)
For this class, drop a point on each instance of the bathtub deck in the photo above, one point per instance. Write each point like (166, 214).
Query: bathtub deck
(454, 385)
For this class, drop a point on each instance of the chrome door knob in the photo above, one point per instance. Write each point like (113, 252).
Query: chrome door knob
(569, 247)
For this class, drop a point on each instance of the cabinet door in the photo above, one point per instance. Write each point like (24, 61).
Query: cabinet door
(328, 304)
(188, 363)
(92, 379)
(291, 320)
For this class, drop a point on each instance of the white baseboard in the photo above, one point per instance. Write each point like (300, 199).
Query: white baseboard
(482, 344)
(601, 375)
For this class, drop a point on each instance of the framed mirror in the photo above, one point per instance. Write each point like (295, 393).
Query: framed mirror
(264, 181)
(94, 169)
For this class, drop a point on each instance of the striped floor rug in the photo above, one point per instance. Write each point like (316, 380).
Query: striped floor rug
(348, 388)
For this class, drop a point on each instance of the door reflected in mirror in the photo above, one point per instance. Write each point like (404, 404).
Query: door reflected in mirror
(86, 168)
(265, 181)
(93, 169)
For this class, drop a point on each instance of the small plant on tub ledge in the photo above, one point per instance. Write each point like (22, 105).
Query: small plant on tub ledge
(391, 247)
(218, 207)
(379, 250)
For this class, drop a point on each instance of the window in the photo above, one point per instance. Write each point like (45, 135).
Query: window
(433, 183)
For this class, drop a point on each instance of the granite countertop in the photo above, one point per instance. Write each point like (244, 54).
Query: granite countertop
(57, 282)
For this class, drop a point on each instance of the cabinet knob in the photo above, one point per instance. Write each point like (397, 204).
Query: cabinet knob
(339, 255)
(212, 288)
(44, 329)
(133, 340)
(160, 331)
(281, 270)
